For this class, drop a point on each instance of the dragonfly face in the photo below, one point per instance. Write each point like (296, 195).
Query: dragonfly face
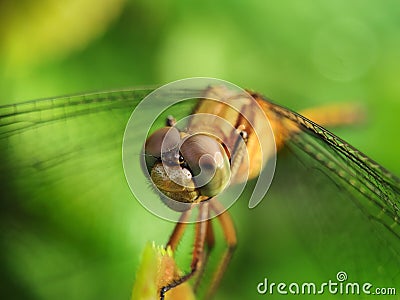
(224, 141)
(187, 169)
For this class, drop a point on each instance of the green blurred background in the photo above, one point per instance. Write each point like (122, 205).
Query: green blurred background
(83, 241)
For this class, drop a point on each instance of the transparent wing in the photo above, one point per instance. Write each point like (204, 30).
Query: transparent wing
(68, 219)
(375, 189)
(341, 207)
(64, 216)
(330, 209)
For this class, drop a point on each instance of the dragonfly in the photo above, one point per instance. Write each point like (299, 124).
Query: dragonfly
(57, 153)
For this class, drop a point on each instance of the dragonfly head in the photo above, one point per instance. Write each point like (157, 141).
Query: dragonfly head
(186, 168)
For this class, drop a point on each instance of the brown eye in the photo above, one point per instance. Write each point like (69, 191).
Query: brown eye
(162, 140)
(209, 163)
(198, 147)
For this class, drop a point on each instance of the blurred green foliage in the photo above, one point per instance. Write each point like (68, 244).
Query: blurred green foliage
(74, 232)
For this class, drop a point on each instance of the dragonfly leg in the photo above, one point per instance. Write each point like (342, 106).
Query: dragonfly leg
(197, 256)
(179, 229)
(210, 243)
(230, 236)
(210, 238)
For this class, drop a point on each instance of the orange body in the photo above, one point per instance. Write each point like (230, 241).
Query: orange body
(266, 130)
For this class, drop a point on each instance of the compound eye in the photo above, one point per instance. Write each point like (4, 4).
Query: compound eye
(208, 162)
(162, 141)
